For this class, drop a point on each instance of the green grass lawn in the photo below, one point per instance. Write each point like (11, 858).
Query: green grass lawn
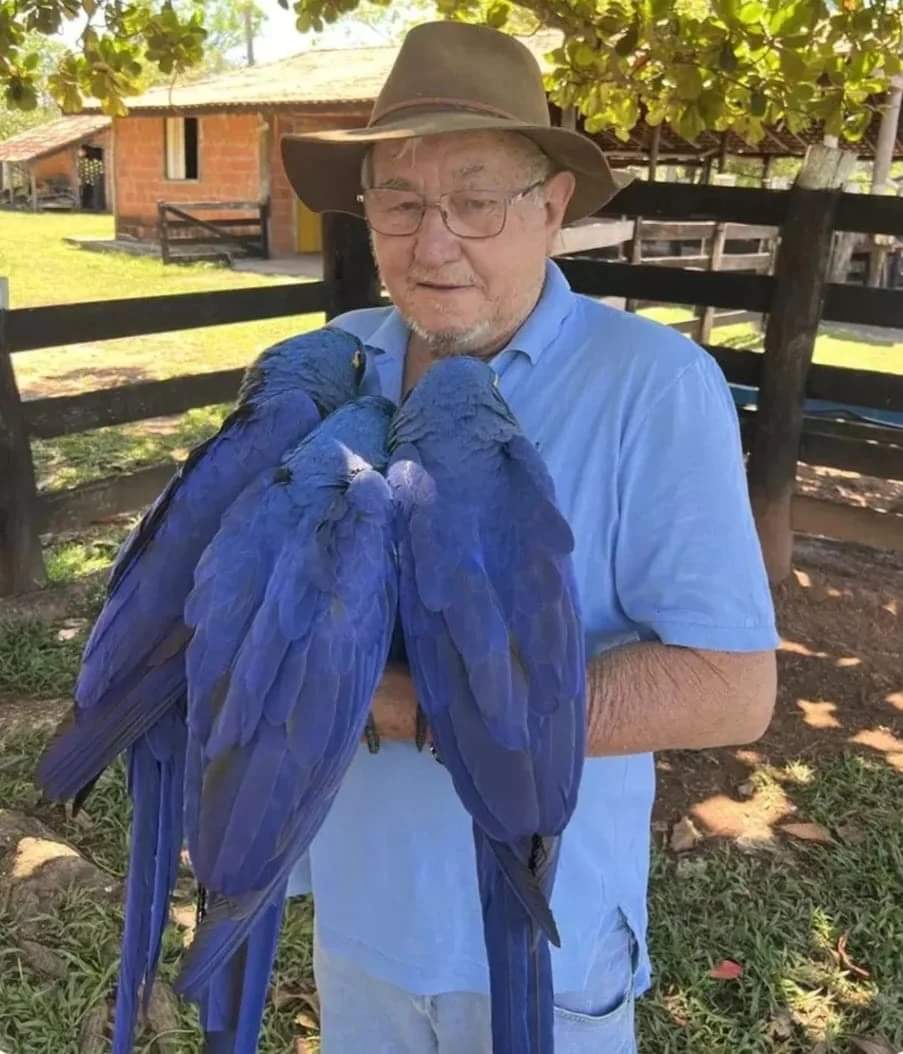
(779, 914)
(835, 346)
(44, 269)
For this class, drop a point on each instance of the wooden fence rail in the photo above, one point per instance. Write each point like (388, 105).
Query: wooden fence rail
(220, 235)
(350, 281)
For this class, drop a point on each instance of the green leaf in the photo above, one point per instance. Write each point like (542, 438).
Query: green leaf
(751, 12)
(688, 82)
(712, 106)
(792, 65)
(727, 60)
(789, 19)
(728, 10)
(627, 44)
(584, 55)
(758, 104)
(497, 15)
(690, 124)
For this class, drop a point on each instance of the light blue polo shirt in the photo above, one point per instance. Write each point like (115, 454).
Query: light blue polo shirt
(640, 434)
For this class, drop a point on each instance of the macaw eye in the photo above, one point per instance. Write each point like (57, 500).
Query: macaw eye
(357, 360)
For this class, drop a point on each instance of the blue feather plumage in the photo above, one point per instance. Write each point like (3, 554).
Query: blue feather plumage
(277, 709)
(493, 636)
(131, 690)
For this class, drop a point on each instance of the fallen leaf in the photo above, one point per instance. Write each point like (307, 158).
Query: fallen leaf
(753, 845)
(726, 970)
(872, 1045)
(684, 836)
(43, 960)
(689, 868)
(305, 1021)
(846, 960)
(851, 833)
(163, 1017)
(91, 1038)
(280, 996)
(780, 1027)
(808, 832)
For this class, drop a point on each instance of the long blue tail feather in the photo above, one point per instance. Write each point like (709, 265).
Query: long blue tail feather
(231, 1011)
(520, 966)
(156, 772)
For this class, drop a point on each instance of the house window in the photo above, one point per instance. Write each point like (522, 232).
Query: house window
(181, 148)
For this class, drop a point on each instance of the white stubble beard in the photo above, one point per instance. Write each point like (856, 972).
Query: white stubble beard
(449, 342)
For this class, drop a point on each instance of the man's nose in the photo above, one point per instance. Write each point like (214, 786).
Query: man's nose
(434, 242)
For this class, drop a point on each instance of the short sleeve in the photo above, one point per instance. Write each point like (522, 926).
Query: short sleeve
(688, 564)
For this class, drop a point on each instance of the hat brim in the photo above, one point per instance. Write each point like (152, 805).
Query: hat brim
(324, 168)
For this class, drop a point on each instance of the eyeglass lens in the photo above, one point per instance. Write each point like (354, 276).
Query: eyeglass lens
(467, 213)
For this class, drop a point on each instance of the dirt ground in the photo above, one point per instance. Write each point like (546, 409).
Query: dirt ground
(840, 669)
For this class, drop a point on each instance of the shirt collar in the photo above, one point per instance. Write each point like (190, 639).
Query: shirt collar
(538, 331)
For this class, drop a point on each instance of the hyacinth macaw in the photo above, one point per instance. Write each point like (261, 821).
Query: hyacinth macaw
(493, 637)
(131, 689)
(292, 614)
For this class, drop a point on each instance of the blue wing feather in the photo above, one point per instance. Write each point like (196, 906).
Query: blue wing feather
(133, 666)
(492, 633)
(268, 767)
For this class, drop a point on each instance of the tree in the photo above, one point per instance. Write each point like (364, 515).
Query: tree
(702, 64)
(15, 120)
(697, 64)
(228, 23)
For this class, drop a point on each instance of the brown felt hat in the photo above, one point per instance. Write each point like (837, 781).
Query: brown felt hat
(449, 77)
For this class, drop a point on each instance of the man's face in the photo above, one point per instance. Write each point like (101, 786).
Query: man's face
(464, 295)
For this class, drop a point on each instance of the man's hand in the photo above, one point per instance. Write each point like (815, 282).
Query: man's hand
(394, 708)
(641, 697)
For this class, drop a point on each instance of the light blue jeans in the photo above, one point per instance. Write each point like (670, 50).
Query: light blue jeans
(360, 1014)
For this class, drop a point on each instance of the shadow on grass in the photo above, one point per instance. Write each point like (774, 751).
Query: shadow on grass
(68, 461)
(782, 910)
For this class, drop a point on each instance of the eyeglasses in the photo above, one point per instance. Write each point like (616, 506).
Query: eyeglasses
(466, 213)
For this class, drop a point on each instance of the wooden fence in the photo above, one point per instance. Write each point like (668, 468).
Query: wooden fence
(184, 236)
(776, 434)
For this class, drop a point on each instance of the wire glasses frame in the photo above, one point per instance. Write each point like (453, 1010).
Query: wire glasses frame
(473, 214)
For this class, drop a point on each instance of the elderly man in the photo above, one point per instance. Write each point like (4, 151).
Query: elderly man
(465, 187)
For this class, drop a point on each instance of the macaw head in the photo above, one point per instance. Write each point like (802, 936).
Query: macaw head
(327, 363)
(354, 437)
(458, 392)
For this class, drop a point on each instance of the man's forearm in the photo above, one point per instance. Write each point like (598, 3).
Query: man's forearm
(652, 696)
(641, 697)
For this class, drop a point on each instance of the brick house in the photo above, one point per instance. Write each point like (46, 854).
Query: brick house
(61, 164)
(217, 140)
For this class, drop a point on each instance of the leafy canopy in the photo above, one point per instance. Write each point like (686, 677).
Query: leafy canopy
(696, 64)
(700, 64)
(123, 47)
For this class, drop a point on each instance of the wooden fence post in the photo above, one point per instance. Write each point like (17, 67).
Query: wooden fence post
(163, 232)
(21, 562)
(707, 317)
(799, 285)
(348, 264)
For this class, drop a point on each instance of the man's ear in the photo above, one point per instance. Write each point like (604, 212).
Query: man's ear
(559, 190)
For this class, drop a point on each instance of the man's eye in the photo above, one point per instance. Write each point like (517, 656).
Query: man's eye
(479, 204)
